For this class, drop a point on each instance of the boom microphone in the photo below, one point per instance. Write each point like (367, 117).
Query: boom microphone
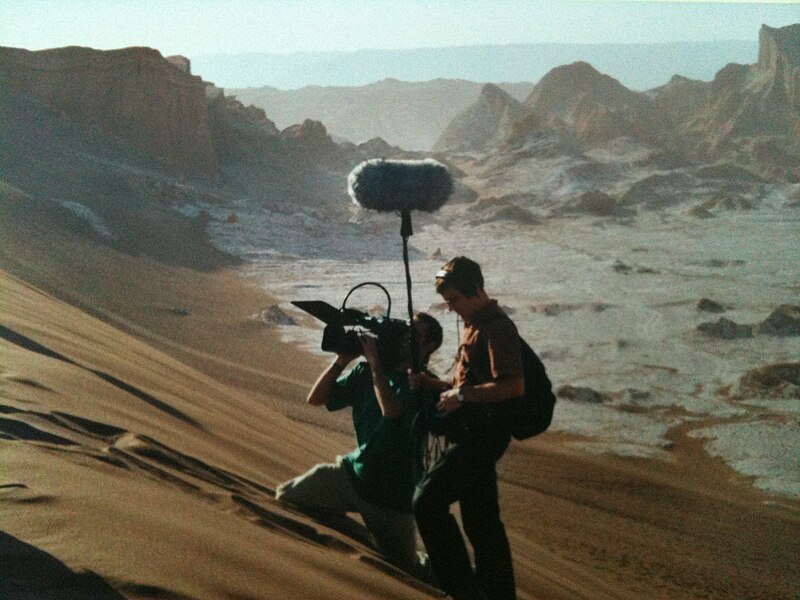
(400, 185)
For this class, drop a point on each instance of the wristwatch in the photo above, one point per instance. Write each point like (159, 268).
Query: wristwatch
(460, 394)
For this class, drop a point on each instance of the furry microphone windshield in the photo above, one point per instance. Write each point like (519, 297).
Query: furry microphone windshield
(400, 185)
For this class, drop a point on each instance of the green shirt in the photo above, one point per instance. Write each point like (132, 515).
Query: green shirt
(383, 464)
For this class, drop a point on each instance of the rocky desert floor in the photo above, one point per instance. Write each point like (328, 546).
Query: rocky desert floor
(613, 306)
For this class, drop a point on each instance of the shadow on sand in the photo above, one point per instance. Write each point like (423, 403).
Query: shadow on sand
(27, 573)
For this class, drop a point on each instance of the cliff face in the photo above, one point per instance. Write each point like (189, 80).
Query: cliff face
(133, 93)
(761, 99)
(752, 112)
(774, 81)
(778, 48)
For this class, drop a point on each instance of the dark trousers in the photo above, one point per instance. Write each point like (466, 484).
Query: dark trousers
(466, 474)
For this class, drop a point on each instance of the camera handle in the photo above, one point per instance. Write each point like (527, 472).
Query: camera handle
(375, 283)
(414, 342)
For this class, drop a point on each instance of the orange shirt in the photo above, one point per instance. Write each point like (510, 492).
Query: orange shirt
(490, 349)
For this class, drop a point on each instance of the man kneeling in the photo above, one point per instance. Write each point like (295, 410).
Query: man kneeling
(377, 479)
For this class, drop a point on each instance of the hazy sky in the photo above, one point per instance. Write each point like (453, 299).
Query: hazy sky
(197, 27)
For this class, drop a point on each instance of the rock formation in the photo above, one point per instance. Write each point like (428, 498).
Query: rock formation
(680, 97)
(236, 130)
(310, 140)
(378, 147)
(708, 305)
(482, 124)
(593, 106)
(726, 329)
(274, 315)
(749, 113)
(746, 121)
(182, 62)
(778, 380)
(596, 203)
(133, 93)
(581, 394)
(129, 135)
(493, 210)
(658, 191)
(783, 321)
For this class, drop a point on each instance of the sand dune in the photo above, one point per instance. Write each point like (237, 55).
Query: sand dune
(140, 453)
(133, 470)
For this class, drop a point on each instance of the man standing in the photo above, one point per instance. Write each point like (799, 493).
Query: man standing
(488, 371)
(376, 479)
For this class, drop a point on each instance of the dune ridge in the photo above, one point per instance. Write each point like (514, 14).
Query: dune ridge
(141, 477)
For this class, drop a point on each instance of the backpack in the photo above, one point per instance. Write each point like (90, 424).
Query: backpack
(523, 417)
(531, 413)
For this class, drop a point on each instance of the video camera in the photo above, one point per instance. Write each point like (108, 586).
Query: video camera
(343, 325)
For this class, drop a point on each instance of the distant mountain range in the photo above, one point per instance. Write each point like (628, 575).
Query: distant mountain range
(637, 66)
(408, 114)
(749, 115)
(581, 131)
(411, 114)
(130, 134)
